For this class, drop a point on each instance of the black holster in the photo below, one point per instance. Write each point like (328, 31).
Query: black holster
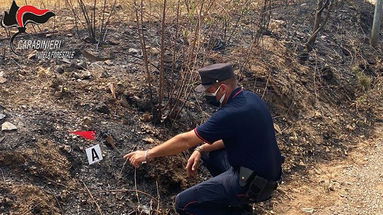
(258, 188)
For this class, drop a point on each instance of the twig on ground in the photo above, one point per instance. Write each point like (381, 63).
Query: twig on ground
(315, 73)
(93, 199)
(57, 201)
(158, 196)
(135, 185)
(267, 84)
(151, 205)
(2, 173)
(123, 167)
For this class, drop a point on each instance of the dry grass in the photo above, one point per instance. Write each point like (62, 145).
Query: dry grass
(44, 160)
(28, 199)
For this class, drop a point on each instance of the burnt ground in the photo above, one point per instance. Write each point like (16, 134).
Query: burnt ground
(322, 103)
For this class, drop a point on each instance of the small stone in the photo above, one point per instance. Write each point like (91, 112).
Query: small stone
(133, 51)
(7, 126)
(59, 69)
(125, 121)
(317, 114)
(308, 210)
(147, 117)
(104, 74)
(154, 51)
(109, 62)
(351, 127)
(293, 138)
(82, 65)
(58, 94)
(84, 75)
(124, 102)
(2, 80)
(87, 121)
(110, 141)
(43, 72)
(148, 140)
(331, 187)
(2, 116)
(102, 108)
(66, 148)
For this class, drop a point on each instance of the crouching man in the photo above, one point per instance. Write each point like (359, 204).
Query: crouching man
(237, 145)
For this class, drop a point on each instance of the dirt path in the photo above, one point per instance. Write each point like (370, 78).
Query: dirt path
(351, 186)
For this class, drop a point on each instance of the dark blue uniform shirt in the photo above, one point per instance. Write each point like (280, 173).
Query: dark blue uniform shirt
(245, 125)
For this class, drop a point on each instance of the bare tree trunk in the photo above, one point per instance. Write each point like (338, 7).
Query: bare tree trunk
(318, 15)
(162, 69)
(377, 22)
(139, 11)
(318, 22)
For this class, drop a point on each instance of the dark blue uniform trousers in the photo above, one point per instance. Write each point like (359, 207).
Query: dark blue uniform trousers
(219, 195)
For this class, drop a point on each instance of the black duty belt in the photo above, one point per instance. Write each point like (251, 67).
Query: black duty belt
(258, 188)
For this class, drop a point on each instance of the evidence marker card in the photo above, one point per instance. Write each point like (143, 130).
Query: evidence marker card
(94, 154)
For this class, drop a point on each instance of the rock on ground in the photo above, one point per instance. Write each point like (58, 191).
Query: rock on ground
(7, 126)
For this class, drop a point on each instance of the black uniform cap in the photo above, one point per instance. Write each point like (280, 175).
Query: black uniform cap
(213, 74)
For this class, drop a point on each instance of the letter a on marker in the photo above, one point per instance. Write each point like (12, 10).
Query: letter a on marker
(94, 154)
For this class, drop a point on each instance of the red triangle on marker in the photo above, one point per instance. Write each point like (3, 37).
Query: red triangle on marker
(90, 135)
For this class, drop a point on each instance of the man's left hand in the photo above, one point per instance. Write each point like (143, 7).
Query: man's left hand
(193, 163)
(136, 158)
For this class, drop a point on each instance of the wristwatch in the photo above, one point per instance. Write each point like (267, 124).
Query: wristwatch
(198, 148)
(146, 157)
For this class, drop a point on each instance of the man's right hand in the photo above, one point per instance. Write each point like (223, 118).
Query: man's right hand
(193, 163)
